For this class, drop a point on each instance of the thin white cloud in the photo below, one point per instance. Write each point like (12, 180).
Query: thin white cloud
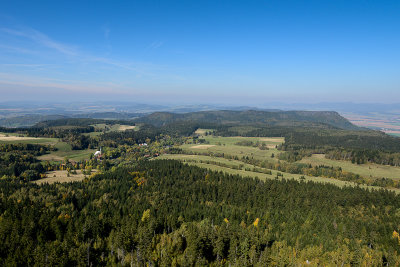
(91, 64)
(41, 39)
(73, 86)
(44, 40)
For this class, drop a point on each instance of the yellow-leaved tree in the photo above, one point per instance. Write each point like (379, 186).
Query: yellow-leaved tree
(396, 235)
(255, 223)
(146, 215)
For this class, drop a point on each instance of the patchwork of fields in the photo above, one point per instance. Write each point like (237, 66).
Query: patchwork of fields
(230, 146)
(64, 150)
(257, 148)
(232, 165)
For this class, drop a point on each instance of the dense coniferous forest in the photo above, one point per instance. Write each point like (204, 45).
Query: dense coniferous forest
(167, 213)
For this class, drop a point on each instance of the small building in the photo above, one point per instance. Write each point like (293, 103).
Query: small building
(98, 153)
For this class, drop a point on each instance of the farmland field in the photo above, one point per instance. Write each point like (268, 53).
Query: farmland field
(230, 166)
(366, 170)
(13, 138)
(75, 155)
(228, 145)
(202, 131)
(61, 177)
(231, 146)
(63, 149)
(125, 127)
(113, 127)
(103, 127)
(387, 123)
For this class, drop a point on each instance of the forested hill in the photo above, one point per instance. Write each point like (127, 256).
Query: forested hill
(79, 122)
(226, 117)
(35, 120)
(252, 117)
(165, 213)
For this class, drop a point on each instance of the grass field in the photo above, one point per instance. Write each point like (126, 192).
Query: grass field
(113, 127)
(61, 177)
(366, 170)
(75, 155)
(203, 131)
(103, 127)
(201, 161)
(13, 138)
(228, 146)
(63, 149)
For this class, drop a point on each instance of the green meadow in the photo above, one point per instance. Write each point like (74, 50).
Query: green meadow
(230, 146)
(230, 166)
(366, 170)
(63, 149)
(9, 138)
(113, 127)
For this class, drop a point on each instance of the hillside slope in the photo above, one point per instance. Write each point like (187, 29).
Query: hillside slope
(252, 117)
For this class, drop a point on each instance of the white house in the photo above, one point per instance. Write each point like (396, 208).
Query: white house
(97, 153)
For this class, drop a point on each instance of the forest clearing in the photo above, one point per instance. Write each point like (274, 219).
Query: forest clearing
(62, 177)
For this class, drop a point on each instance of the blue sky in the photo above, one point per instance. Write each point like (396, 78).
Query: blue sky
(232, 52)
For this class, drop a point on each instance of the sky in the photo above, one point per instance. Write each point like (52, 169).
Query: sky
(228, 52)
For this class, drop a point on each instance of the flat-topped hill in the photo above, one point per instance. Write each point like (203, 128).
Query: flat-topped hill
(253, 117)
